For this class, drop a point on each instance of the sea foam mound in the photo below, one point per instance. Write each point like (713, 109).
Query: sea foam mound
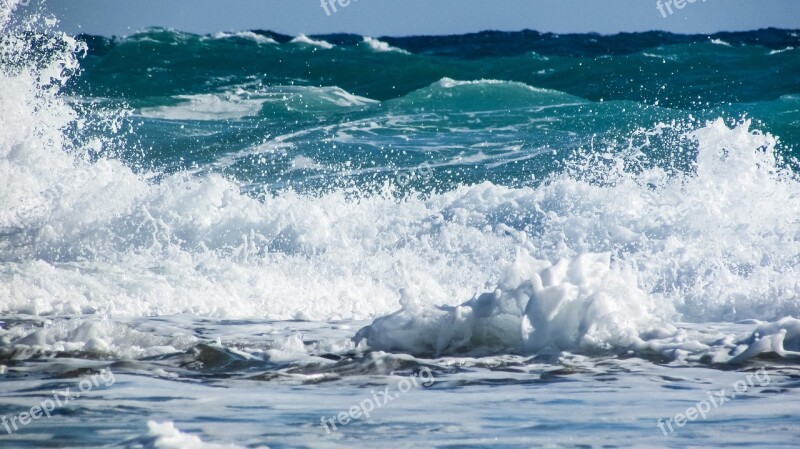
(588, 304)
(580, 303)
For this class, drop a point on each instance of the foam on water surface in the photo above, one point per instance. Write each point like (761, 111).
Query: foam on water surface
(305, 40)
(249, 35)
(379, 46)
(166, 436)
(604, 263)
(611, 270)
(711, 244)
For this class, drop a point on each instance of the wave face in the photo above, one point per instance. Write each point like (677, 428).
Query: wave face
(589, 193)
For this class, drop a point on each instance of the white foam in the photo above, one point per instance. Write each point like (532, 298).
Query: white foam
(700, 247)
(714, 244)
(6, 10)
(776, 52)
(239, 102)
(382, 47)
(97, 335)
(167, 436)
(249, 35)
(581, 303)
(305, 40)
(205, 107)
(449, 83)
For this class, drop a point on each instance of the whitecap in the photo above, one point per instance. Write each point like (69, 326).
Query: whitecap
(305, 40)
(249, 35)
(380, 46)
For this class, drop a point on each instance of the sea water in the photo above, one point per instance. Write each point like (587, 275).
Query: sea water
(512, 240)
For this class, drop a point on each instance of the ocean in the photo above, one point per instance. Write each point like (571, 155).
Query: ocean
(499, 239)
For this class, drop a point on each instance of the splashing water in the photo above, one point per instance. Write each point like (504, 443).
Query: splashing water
(666, 238)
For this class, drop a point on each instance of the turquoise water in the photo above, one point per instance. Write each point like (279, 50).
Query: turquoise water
(352, 109)
(245, 239)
